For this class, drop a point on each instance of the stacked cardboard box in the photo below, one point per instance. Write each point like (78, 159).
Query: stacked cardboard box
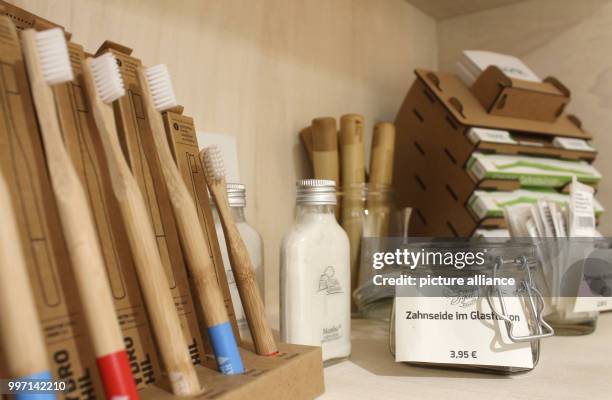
(444, 127)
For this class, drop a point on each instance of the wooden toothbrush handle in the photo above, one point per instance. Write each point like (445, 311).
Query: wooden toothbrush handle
(149, 267)
(192, 235)
(156, 289)
(22, 339)
(194, 245)
(81, 238)
(246, 280)
(76, 220)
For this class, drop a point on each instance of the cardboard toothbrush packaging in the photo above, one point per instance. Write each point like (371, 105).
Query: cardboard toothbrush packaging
(22, 161)
(86, 151)
(181, 133)
(135, 137)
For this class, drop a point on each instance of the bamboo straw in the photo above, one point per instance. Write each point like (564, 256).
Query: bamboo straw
(306, 138)
(325, 149)
(353, 178)
(381, 173)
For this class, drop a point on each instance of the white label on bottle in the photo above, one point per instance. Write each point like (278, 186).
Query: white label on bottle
(459, 330)
(331, 333)
(332, 295)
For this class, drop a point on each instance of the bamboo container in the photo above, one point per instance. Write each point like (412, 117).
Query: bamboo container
(352, 153)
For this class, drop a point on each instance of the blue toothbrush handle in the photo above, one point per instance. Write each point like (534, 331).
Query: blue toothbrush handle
(225, 348)
(34, 395)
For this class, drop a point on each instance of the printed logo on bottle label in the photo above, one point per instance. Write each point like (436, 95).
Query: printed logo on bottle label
(462, 298)
(328, 282)
(331, 333)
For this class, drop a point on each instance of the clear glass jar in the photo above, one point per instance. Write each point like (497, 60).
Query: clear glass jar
(379, 212)
(236, 194)
(565, 273)
(502, 302)
(569, 323)
(353, 200)
(378, 221)
(315, 274)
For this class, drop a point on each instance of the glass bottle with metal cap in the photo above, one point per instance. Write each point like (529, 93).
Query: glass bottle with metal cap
(315, 274)
(236, 195)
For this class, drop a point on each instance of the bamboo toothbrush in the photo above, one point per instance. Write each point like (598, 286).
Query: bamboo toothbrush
(104, 85)
(21, 337)
(47, 61)
(158, 96)
(238, 254)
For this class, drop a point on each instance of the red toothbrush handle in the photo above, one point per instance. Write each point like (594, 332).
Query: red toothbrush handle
(117, 377)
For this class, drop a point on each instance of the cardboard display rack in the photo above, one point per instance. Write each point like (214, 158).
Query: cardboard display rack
(297, 372)
(433, 148)
(508, 97)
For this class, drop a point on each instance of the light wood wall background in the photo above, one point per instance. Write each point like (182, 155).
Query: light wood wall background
(261, 70)
(569, 39)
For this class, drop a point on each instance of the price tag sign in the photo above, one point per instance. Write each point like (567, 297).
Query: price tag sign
(459, 330)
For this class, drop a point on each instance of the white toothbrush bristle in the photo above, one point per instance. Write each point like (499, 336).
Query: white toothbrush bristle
(161, 87)
(213, 163)
(107, 78)
(53, 55)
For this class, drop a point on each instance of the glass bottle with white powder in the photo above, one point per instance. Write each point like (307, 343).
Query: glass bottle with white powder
(236, 195)
(315, 274)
